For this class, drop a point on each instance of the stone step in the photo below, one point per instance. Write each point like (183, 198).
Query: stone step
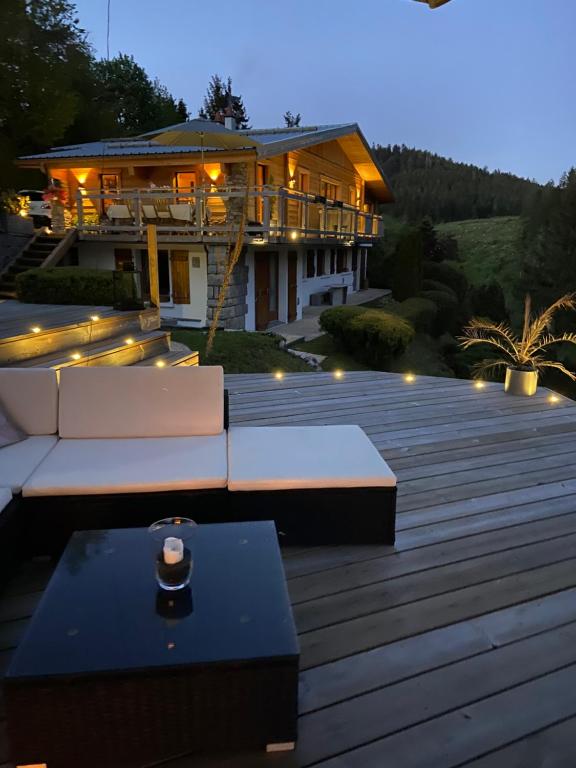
(173, 358)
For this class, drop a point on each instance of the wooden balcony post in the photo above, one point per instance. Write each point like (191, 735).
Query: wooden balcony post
(138, 212)
(265, 213)
(281, 211)
(152, 238)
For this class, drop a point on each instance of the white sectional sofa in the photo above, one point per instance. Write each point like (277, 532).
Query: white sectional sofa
(114, 447)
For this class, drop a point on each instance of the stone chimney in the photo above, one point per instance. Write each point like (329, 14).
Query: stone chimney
(230, 122)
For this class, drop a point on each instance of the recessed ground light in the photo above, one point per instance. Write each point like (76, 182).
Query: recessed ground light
(553, 399)
(129, 340)
(35, 329)
(479, 384)
(76, 356)
(160, 364)
(278, 375)
(409, 378)
(94, 318)
(338, 374)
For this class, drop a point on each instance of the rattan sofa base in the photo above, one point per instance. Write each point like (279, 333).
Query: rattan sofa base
(306, 516)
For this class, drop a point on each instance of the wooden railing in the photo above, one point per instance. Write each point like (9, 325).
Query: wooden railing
(273, 214)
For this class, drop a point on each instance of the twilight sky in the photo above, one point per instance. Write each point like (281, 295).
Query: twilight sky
(490, 82)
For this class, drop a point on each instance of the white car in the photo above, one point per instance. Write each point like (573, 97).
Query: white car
(35, 207)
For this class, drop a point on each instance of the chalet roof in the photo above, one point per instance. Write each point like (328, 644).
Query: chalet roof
(271, 141)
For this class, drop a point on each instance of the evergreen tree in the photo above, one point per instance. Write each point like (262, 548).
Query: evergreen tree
(182, 110)
(220, 100)
(407, 265)
(292, 121)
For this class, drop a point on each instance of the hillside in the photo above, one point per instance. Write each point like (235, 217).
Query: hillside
(428, 185)
(489, 250)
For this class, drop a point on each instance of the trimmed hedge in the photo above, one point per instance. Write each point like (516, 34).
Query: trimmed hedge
(420, 312)
(448, 275)
(434, 285)
(448, 308)
(371, 335)
(333, 320)
(66, 285)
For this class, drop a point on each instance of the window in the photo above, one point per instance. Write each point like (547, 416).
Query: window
(310, 264)
(352, 196)
(185, 181)
(341, 258)
(320, 262)
(110, 182)
(330, 190)
(304, 181)
(332, 261)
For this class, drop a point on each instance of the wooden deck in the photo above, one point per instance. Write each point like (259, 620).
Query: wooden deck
(457, 647)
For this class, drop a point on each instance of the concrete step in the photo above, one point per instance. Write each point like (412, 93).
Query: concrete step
(116, 351)
(53, 337)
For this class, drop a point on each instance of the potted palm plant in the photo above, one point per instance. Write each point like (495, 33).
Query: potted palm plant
(524, 357)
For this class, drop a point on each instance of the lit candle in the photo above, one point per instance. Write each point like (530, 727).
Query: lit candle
(173, 550)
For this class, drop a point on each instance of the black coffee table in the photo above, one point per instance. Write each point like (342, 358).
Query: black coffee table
(113, 671)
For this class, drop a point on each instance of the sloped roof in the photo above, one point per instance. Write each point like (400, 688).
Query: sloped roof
(271, 141)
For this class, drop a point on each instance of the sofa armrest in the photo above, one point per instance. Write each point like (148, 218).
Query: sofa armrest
(226, 409)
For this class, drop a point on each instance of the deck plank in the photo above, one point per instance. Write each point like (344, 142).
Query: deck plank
(457, 646)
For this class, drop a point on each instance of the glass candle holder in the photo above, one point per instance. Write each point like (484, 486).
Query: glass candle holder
(172, 541)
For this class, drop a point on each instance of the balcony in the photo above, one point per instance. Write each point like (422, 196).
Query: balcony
(213, 214)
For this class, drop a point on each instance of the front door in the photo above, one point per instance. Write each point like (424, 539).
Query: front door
(292, 285)
(266, 288)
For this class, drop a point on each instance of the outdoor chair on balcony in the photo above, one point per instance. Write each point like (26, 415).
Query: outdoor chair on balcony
(119, 214)
(182, 213)
(151, 214)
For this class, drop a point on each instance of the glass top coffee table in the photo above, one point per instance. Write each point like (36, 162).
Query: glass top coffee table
(114, 671)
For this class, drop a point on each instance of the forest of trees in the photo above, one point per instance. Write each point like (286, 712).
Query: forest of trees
(428, 185)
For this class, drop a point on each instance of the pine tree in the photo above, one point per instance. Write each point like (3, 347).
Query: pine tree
(182, 110)
(292, 121)
(220, 100)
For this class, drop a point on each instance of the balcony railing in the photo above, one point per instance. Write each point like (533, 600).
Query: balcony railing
(273, 214)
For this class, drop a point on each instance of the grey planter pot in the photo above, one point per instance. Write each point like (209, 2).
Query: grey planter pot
(523, 383)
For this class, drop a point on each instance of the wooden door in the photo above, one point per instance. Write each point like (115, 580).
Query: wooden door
(266, 288)
(180, 277)
(292, 285)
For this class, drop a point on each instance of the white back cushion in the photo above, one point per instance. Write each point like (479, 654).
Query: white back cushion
(141, 402)
(30, 395)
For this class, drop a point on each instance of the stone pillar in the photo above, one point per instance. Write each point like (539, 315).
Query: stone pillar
(233, 314)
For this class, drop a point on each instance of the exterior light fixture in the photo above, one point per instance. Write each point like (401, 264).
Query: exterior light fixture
(76, 356)
(338, 374)
(35, 329)
(23, 212)
(278, 375)
(160, 364)
(94, 318)
(292, 183)
(129, 340)
(294, 234)
(409, 378)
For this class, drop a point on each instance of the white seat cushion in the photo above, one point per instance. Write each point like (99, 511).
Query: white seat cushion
(143, 465)
(19, 460)
(30, 395)
(141, 402)
(283, 458)
(5, 498)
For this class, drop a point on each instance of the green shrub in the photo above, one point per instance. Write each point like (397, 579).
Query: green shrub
(434, 285)
(66, 285)
(420, 313)
(407, 265)
(376, 337)
(334, 320)
(448, 310)
(488, 301)
(448, 275)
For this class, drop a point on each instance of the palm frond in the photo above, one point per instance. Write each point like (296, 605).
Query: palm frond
(537, 327)
(484, 368)
(480, 337)
(546, 341)
(558, 366)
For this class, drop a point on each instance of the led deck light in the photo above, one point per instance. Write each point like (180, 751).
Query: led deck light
(35, 329)
(76, 356)
(129, 340)
(278, 375)
(479, 384)
(160, 364)
(409, 378)
(94, 318)
(338, 374)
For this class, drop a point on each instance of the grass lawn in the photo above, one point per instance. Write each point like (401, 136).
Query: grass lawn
(490, 251)
(241, 351)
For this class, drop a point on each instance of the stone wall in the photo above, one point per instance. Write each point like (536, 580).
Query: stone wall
(233, 314)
